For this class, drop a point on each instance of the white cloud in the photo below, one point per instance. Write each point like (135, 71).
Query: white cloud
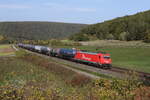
(63, 7)
(14, 6)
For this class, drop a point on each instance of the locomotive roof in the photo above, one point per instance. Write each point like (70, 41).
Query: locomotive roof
(93, 52)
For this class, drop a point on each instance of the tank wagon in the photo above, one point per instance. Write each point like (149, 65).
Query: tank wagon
(45, 50)
(20, 45)
(66, 53)
(55, 52)
(100, 59)
(37, 48)
(28, 46)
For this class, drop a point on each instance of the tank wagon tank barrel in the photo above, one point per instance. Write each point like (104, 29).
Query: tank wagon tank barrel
(67, 53)
(45, 50)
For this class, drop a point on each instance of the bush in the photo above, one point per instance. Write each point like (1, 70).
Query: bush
(4, 40)
(28, 93)
(80, 37)
(115, 90)
(110, 37)
(55, 42)
(123, 36)
(10, 93)
(79, 80)
(147, 38)
(60, 43)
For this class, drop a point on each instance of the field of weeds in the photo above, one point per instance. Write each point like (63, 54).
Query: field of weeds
(30, 77)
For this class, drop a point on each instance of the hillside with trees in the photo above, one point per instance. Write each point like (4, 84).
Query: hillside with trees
(38, 30)
(133, 27)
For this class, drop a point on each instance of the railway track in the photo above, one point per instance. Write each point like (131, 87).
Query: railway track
(142, 75)
(115, 72)
(75, 65)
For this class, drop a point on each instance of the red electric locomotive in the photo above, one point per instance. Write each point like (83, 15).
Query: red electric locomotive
(100, 59)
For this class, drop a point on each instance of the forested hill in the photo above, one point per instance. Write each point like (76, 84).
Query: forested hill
(38, 30)
(133, 27)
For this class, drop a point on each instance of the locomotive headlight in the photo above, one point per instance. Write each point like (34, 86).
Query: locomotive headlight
(106, 61)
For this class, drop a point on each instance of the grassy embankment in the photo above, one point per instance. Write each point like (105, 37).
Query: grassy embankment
(133, 55)
(31, 77)
(38, 78)
(6, 50)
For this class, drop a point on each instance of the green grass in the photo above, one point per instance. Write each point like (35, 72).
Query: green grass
(132, 58)
(4, 46)
(127, 57)
(3, 53)
(7, 54)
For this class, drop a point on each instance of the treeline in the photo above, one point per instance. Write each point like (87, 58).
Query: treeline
(5, 40)
(50, 42)
(38, 30)
(134, 27)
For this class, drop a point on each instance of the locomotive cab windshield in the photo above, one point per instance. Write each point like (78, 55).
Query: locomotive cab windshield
(106, 57)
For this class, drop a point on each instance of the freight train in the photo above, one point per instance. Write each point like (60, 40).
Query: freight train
(100, 59)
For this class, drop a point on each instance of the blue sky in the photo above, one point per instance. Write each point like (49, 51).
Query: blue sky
(71, 11)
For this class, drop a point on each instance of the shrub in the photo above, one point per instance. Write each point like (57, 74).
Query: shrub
(110, 37)
(147, 38)
(10, 93)
(123, 36)
(28, 93)
(80, 37)
(79, 80)
(116, 89)
(55, 42)
(4, 40)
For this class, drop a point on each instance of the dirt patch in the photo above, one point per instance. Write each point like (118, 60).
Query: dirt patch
(79, 80)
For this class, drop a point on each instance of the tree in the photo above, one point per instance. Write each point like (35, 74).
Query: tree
(147, 37)
(124, 36)
(4, 40)
(123, 28)
(1, 37)
(80, 37)
(110, 37)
